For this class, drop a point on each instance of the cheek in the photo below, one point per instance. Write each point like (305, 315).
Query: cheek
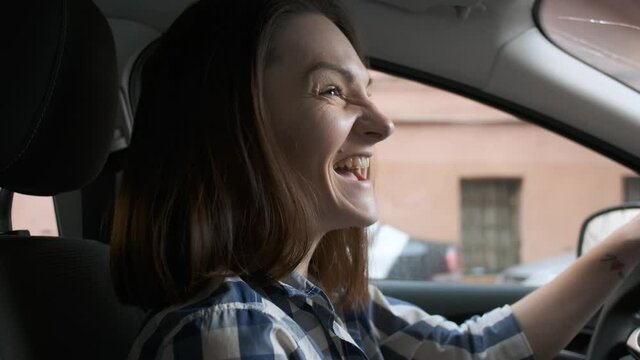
(329, 129)
(315, 137)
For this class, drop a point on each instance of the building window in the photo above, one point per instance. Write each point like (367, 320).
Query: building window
(490, 224)
(632, 188)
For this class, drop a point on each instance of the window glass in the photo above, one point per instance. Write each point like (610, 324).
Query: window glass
(469, 193)
(604, 34)
(34, 213)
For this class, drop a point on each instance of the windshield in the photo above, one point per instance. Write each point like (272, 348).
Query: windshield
(604, 34)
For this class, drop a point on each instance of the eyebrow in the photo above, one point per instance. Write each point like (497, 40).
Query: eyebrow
(323, 65)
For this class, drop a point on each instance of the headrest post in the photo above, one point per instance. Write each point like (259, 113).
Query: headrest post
(6, 201)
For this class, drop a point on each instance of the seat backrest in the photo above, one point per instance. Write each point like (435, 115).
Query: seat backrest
(58, 105)
(57, 301)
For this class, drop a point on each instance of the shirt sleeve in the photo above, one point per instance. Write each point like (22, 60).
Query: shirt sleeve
(406, 332)
(232, 333)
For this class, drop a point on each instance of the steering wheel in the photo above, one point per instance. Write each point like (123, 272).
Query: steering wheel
(617, 331)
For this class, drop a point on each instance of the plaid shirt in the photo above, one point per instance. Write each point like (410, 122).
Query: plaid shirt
(294, 319)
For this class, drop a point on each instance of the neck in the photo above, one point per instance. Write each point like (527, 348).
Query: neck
(303, 267)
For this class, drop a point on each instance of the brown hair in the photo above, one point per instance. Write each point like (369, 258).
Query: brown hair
(205, 192)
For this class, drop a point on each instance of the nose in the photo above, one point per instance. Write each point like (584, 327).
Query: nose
(373, 124)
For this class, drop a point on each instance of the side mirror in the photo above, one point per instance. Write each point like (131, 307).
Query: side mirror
(601, 224)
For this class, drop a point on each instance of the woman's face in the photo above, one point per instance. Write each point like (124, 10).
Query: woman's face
(317, 102)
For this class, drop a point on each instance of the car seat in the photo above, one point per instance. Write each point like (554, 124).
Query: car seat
(58, 99)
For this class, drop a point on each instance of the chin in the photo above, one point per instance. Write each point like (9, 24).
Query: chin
(367, 220)
(359, 218)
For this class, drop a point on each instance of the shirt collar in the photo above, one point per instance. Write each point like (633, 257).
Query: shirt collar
(298, 288)
(296, 284)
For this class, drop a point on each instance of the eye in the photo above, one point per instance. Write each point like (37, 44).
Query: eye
(333, 91)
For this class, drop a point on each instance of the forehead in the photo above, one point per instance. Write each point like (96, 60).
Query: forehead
(304, 41)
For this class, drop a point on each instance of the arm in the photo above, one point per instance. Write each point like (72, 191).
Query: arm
(570, 300)
(403, 331)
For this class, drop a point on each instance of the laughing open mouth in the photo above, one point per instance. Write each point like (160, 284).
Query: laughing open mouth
(355, 167)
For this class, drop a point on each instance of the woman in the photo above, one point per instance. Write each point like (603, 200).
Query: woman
(240, 222)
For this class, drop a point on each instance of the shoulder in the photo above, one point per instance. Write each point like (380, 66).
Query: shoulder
(228, 313)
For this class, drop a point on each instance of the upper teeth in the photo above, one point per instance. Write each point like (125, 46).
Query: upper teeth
(354, 162)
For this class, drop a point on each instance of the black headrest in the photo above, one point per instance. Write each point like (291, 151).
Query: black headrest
(58, 95)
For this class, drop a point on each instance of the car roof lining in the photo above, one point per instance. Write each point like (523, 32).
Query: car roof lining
(153, 14)
(418, 6)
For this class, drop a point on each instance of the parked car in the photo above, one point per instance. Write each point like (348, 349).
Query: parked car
(395, 255)
(536, 273)
(66, 136)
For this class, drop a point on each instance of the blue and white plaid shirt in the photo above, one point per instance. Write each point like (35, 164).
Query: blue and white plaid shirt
(294, 319)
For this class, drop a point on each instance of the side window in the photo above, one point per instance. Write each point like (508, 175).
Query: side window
(34, 213)
(468, 193)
